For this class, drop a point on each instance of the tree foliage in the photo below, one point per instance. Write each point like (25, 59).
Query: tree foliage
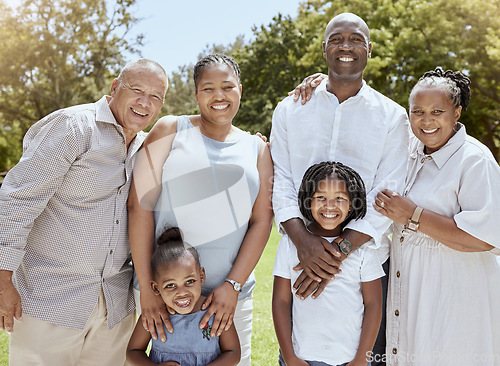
(56, 53)
(409, 37)
(180, 97)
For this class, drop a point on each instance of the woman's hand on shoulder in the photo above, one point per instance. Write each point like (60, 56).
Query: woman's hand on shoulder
(305, 88)
(221, 302)
(154, 315)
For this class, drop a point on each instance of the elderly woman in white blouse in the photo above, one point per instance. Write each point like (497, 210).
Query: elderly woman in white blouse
(444, 289)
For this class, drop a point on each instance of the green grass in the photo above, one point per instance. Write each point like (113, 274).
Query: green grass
(264, 343)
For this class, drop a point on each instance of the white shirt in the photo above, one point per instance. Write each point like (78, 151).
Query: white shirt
(443, 304)
(328, 328)
(368, 132)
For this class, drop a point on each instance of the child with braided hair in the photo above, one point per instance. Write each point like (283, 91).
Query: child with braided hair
(331, 195)
(444, 288)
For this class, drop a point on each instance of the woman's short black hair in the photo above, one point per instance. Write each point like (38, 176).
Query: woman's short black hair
(456, 83)
(216, 58)
(330, 169)
(171, 248)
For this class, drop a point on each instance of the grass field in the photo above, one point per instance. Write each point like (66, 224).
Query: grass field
(264, 343)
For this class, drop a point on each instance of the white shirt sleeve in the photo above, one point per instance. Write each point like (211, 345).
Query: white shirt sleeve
(284, 193)
(371, 268)
(390, 174)
(282, 262)
(479, 200)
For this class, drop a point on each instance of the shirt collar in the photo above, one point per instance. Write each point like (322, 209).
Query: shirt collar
(103, 112)
(363, 92)
(441, 156)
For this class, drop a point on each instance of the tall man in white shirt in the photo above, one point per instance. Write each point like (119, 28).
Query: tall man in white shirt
(347, 121)
(63, 227)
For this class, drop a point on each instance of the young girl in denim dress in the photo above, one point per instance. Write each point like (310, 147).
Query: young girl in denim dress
(178, 277)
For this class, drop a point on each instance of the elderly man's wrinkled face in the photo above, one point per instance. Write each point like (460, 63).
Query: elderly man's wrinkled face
(137, 99)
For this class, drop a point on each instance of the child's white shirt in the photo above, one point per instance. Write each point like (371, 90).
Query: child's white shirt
(328, 328)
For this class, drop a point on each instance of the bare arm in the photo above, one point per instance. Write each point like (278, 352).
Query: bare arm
(230, 348)
(372, 299)
(442, 228)
(224, 298)
(144, 192)
(282, 318)
(136, 349)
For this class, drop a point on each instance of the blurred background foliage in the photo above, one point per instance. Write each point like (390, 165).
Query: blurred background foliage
(57, 53)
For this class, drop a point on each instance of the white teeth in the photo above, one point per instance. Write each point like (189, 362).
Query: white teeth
(346, 59)
(183, 303)
(330, 216)
(430, 131)
(220, 106)
(139, 113)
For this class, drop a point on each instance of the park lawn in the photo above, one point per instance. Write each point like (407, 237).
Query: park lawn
(264, 343)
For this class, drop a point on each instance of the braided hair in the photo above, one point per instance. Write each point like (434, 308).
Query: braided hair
(171, 248)
(329, 169)
(216, 58)
(457, 84)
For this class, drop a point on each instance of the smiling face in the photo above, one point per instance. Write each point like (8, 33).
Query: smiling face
(179, 284)
(433, 116)
(330, 206)
(137, 97)
(346, 47)
(218, 93)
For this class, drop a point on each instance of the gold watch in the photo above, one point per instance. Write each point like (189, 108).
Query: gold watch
(413, 222)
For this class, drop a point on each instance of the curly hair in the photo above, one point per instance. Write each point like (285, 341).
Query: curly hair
(457, 84)
(216, 58)
(329, 169)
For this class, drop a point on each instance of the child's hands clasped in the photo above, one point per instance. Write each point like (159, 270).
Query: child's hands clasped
(221, 302)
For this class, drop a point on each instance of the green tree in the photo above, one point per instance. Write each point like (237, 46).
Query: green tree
(180, 97)
(409, 37)
(270, 67)
(57, 53)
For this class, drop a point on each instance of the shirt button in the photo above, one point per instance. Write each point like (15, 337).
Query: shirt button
(111, 251)
(423, 160)
(117, 221)
(398, 274)
(402, 239)
(394, 351)
(396, 313)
